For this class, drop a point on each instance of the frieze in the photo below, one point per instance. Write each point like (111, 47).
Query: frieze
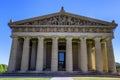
(63, 20)
(63, 29)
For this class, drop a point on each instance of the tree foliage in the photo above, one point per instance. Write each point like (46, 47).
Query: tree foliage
(3, 67)
(117, 65)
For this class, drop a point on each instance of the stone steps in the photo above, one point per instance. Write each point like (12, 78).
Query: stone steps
(58, 74)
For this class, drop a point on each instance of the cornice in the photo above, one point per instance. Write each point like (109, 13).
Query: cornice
(85, 26)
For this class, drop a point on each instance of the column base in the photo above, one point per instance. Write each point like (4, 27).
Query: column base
(10, 71)
(114, 72)
(84, 72)
(100, 72)
(22, 71)
(54, 71)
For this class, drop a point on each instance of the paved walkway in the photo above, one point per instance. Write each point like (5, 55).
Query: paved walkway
(62, 78)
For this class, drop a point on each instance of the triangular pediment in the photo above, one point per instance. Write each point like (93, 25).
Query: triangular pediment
(62, 18)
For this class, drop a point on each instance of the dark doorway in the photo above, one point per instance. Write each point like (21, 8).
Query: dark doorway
(61, 61)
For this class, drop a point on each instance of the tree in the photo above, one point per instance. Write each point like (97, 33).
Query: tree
(3, 67)
(117, 65)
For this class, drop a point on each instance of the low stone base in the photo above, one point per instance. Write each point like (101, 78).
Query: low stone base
(58, 74)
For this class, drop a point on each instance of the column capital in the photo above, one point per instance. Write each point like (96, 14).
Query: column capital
(14, 37)
(97, 38)
(109, 38)
(55, 37)
(83, 38)
(26, 38)
(41, 37)
(69, 38)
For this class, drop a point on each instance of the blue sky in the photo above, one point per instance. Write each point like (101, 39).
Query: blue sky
(21, 9)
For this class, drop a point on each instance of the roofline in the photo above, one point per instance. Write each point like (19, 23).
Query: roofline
(64, 13)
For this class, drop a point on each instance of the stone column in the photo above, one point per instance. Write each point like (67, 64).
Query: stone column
(19, 54)
(79, 56)
(104, 56)
(84, 67)
(39, 63)
(111, 59)
(13, 55)
(54, 59)
(25, 54)
(69, 57)
(90, 55)
(98, 54)
(33, 55)
(44, 56)
(93, 59)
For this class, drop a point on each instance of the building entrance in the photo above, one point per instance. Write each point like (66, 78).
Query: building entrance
(61, 57)
(61, 61)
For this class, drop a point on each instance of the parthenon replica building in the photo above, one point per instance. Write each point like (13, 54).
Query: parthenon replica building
(62, 41)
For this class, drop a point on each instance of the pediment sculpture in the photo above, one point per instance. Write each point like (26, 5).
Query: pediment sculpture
(62, 20)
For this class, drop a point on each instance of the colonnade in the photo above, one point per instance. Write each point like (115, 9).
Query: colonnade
(103, 50)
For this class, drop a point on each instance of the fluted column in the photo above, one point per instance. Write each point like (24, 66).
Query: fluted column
(44, 55)
(98, 54)
(104, 56)
(111, 59)
(33, 55)
(19, 54)
(13, 55)
(25, 54)
(54, 61)
(79, 56)
(69, 57)
(90, 55)
(84, 67)
(93, 59)
(39, 62)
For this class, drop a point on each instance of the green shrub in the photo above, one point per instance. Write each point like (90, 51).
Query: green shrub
(3, 67)
(117, 65)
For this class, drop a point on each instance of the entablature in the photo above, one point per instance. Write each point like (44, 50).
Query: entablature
(64, 29)
(63, 34)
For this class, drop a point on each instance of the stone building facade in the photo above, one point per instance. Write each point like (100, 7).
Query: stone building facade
(62, 42)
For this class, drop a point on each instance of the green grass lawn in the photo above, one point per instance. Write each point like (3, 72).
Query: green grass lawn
(50, 78)
(96, 78)
(24, 78)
